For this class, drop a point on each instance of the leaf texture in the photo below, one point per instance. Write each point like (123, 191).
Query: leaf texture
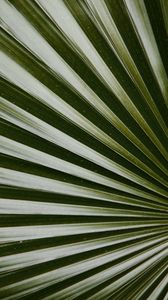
(84, 149)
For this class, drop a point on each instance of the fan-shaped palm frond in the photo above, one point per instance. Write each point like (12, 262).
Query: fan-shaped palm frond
(84, 149)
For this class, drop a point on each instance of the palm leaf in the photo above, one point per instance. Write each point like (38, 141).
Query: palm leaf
(84, 148)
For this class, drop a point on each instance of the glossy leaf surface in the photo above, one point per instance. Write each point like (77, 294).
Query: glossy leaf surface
(84, 149)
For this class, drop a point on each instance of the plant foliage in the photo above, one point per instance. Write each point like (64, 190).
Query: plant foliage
(84, 149)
